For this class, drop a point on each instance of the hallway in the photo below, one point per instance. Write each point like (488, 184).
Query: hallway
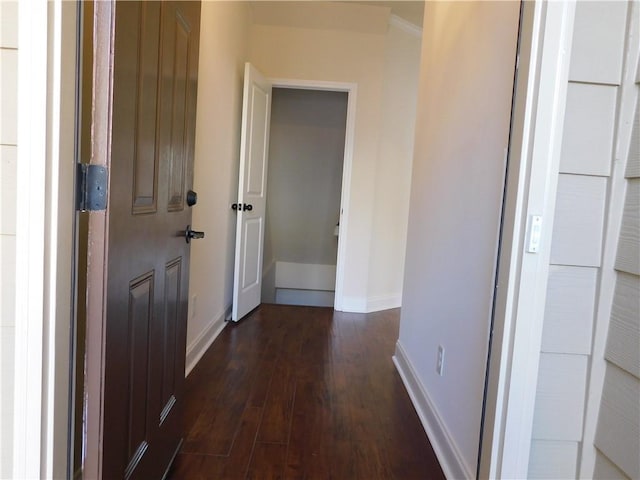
(302, 392)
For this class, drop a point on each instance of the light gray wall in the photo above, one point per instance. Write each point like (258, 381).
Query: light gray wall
(8, 166)
(306, 154)
(579, 279)
(462, 130)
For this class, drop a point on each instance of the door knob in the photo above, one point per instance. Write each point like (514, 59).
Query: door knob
(242, 206)
(189, 234)
(192, 198)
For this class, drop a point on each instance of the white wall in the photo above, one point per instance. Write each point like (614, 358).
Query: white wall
(8, 169)
(462, 128)
(223, 51)
(307, 47)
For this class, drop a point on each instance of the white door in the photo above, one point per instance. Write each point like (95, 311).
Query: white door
(252, 192)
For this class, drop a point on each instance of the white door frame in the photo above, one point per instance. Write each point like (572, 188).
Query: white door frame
(352, 92)
(537, 125)
(45, 211)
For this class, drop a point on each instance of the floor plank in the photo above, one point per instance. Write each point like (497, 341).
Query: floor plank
(302, 393)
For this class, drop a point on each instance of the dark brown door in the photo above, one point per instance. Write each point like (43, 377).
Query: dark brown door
(155, 70)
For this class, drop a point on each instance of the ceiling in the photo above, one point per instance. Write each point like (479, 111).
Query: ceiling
(411, 11)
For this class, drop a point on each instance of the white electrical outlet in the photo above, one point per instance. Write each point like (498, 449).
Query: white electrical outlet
(440, 361)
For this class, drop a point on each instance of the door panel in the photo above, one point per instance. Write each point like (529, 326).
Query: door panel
(142, 77)
(253, 235)
(140, 315)
(172, 277)
(151, 168)
(252, 191)
(260, 112)
(176, 68)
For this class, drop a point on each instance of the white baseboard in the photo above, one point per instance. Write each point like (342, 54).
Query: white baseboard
(354, 305)
(383, 302)
(451, 460)
(370, 304)
(196, 349)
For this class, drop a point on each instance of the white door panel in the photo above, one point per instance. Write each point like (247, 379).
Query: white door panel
(252, 193)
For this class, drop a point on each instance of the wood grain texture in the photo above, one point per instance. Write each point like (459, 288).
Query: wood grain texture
(559, 409)
(628, 256)
(569, 311)
(618, 432)
(553, 459)
(598, 42)
(633, 161)
(623, 341)
(587, 141)
(302, 392)
(579, 217)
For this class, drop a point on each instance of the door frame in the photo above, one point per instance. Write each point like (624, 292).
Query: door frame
(538, 119)
(103, 38)
(45, 247)
(345, 194)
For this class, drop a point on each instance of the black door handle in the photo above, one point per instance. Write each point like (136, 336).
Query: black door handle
(241, 206)
(192, 198)
(189, 234)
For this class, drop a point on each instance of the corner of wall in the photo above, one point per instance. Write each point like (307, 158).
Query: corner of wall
(197, 348)
(449, 455)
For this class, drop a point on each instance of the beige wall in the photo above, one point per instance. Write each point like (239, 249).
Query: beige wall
(8, 165)
(368, 57)
(223, 51)
(393, 167)
(331, 55)
(339, 43)
(462, 131)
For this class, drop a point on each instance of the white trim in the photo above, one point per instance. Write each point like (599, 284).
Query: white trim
(197, 348)
(353, 305)
(383, 302)
(449, 456)
(375, 303)
(405, 25)
(30, 239)
(59, 236)
(541, 87)
(352, 90)
(44, 236)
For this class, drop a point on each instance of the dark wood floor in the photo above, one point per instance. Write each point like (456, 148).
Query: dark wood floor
(303, 392)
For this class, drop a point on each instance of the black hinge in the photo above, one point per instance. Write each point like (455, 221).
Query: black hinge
(91, 188)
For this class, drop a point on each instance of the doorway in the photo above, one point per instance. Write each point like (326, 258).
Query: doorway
(306, 158)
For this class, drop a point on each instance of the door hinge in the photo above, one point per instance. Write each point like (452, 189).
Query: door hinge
(91, 187)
